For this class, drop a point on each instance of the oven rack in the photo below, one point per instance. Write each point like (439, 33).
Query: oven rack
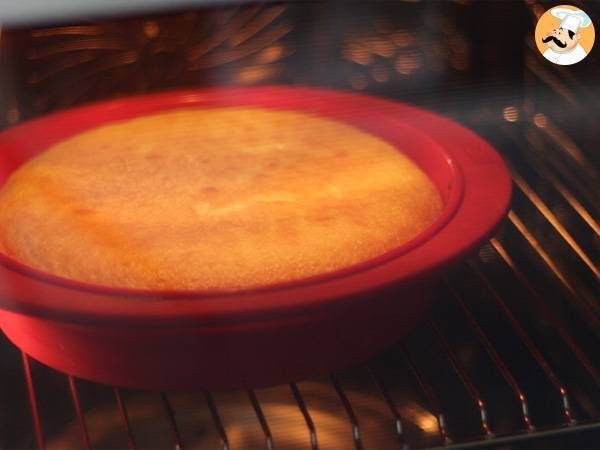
(500, 254)
(487, 437)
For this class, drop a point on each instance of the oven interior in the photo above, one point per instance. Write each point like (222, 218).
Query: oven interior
(509, 358)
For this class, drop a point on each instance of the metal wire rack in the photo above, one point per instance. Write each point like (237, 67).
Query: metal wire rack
(560, 397)
(473, 290)
(508, 360)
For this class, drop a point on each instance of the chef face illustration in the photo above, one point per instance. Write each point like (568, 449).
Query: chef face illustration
(560, 34)
(561, 40)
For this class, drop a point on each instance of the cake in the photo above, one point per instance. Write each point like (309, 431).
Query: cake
(224, 198)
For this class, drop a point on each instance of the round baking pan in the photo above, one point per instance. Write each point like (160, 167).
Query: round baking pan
(273, 334)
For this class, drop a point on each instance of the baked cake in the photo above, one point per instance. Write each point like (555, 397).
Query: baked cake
(212, 199)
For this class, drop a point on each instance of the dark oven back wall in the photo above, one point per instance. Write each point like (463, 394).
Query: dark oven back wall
(457, 57)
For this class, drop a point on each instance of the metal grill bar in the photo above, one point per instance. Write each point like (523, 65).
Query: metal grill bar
(553, 165)
(535, 296)
(564, 142)
(261, 418)
(349, 412)
(496, 358)
(549, 78)
(217, 420)
(234, 23)
(125, 418)
(35, 413)
(464, 377)
(520, 226)
(85, 438)
(381, 387)
(429, 393)
(170, 413)
(551, 218)
(304, 410)
(546, 172)
(526, 436)
(531, 347)
(573, 202)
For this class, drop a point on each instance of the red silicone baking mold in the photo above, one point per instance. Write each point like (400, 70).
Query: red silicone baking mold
(273, 334)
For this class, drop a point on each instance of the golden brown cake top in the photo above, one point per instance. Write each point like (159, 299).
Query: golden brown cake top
(218, 198)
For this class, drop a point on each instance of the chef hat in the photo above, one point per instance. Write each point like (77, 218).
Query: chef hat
(571, 19)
